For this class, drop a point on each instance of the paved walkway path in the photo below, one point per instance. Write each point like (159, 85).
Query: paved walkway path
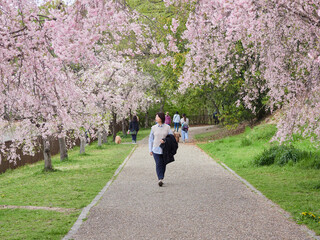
(199, 200)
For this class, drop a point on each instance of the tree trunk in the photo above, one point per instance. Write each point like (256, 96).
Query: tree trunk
(146, 122)
(99, 138)
(47, 155)
(104, 136)
(114, 122)
(63, 149)
(124, 131)
(83, 141)
(162, 103)
(161, 106)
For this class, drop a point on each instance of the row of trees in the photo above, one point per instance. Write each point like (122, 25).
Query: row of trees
(77, 67)
(174, 92)
(263, 55)
(68, 69)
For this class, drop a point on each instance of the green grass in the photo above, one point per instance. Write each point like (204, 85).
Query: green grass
(34, 224)
(127, 138)
(295, 187)
(73, 185)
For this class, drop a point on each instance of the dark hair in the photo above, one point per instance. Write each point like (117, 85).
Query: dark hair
(161, 116)
(184, 116)
(134, 119)
(177, 112)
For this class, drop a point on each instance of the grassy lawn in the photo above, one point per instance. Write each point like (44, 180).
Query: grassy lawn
(73, 186)
(294, 186)
(34, 224)
(127, 138)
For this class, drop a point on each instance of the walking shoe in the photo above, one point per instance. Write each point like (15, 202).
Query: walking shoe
(160, 183)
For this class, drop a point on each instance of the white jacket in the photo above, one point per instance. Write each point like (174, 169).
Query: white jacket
(176, 118)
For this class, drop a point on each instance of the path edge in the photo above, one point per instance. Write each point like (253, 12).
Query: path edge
(86, 209)
(252, 188)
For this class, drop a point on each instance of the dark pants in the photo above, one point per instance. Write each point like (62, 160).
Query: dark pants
(160, 165)
(134, 137)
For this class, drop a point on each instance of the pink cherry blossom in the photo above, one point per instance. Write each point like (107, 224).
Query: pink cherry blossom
(49, 63)
(280, 43)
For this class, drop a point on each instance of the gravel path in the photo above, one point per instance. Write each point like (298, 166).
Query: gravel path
(199, 200)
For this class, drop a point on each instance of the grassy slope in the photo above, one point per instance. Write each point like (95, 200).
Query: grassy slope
(75, 183)
(294, 187)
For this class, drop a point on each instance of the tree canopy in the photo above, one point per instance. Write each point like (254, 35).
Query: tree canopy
(69, 66)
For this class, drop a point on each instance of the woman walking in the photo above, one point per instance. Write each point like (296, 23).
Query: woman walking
(168, 119)
(159, 132)
(184, 127)
(176, 121)
(134, 129)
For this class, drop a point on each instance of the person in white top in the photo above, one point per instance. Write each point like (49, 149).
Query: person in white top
(176, 121)
(158, 132)
(184, 128)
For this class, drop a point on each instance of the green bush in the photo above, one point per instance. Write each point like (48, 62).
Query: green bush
(286, 154)
(245, 142)
(266, 158)
(310, 160)
(282, 155)
(315, 164)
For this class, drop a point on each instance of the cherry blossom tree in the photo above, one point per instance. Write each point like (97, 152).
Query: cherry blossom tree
(42, 49)
(119, 89)
(273, 45)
